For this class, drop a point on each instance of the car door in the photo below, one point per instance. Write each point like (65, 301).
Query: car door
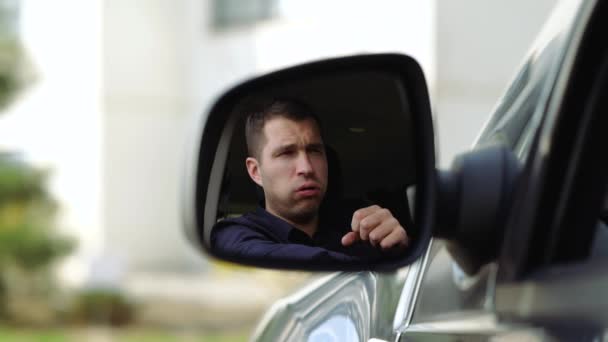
(343, 306)
(504, 300)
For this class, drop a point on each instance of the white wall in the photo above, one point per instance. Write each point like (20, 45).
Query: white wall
(162, 66)
(320, 29)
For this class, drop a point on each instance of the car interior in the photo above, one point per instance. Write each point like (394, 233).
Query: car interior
(346, 105)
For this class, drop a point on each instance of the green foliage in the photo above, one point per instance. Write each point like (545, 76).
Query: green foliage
(30, 249)
(19, 182)
(13, 70)
(27, 239)
(17, 335)
(16, 71)
(29, 243)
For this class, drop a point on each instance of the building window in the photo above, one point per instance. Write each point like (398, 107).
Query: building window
(238, 13)
(9, 19)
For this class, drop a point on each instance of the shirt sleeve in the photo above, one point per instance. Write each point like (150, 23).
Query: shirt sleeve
(237, 242)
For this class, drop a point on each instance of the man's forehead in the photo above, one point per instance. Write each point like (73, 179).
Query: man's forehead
(282, 130)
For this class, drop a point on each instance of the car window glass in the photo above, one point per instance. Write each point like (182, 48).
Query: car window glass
(548, 67)
(519, 112)
(445, 289)
(539, 70)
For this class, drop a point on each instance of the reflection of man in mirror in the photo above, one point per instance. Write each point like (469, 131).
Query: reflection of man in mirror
(288, 160)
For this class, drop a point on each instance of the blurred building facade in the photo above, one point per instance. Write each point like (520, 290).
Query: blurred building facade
(163, 65)
(126, 83)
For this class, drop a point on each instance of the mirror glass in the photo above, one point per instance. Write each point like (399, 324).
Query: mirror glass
(347, 148)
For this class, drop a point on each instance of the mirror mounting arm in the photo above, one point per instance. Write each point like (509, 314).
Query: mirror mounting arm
(473, 200)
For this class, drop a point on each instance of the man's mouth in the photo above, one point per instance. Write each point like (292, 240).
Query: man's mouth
(308, 190)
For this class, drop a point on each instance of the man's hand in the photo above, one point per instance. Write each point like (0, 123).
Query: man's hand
(379, 226)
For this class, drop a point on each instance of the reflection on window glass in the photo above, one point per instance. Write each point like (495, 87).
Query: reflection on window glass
(600, 240)
(519, 112)
(337, 328)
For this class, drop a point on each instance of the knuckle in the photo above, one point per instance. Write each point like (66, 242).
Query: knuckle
(364, 224)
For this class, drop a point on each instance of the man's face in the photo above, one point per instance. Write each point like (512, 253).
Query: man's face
(292, 168)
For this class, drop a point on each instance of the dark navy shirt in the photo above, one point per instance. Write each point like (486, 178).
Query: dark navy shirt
(262, 236)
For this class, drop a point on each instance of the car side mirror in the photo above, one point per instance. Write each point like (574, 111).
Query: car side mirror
(372, 118)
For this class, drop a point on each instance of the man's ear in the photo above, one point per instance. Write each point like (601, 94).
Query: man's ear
(253, 168)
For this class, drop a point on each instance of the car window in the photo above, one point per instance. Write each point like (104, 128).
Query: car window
(518, 113)
(556, 206)
(445, 289)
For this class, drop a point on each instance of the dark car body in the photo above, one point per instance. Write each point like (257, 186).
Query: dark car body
(550, 280)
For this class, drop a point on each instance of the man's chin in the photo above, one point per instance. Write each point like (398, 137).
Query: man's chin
(305, 214)
(309, 205)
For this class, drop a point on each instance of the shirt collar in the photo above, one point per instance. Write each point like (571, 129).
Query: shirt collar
(286, 232)
(279, 227)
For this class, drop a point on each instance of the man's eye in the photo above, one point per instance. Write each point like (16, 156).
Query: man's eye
(285, 153)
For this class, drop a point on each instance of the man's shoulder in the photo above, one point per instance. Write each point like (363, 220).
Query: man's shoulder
(244, 222)
(238, 229)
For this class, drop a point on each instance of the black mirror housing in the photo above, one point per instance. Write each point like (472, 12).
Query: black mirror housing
(375, 115)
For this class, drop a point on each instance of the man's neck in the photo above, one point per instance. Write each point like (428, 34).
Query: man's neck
(309, 228)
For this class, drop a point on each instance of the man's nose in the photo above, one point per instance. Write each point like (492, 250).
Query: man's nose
(304, 165)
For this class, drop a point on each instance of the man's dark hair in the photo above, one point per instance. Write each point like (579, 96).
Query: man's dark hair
(263, 111)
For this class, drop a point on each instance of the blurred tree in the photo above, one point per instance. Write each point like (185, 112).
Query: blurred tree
(16, 71)
(11, 80)
(28, 243)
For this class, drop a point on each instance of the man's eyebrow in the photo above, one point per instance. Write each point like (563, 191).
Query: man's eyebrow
(287, 147)
(282, 148)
